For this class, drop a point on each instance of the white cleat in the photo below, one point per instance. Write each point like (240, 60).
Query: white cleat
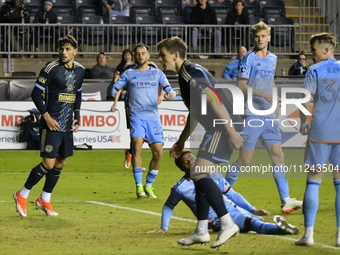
(337, 239)
(285, 226)
(291, 205)
(195, 239)
(224, 235)
(305, 241)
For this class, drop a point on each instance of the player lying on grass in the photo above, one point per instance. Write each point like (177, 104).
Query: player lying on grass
(246, 217)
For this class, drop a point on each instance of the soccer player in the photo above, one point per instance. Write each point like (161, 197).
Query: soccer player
(218, 142)
(243, 214)
(256, 71)
(323, 81)
(142, 83)
(60, 84)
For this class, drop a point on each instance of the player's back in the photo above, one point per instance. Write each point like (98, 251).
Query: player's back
(323, 81)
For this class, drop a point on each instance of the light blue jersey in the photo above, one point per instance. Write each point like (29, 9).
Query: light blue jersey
(323, 81)
(260, 72)
(184, 190)
(142, 93)
(231, 70)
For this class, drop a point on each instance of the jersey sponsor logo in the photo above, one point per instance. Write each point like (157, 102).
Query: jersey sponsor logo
(49, 148)
(42, 79)
(135, 84)
(67, 98)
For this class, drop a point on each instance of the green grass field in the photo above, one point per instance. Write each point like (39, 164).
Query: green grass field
(113, 227)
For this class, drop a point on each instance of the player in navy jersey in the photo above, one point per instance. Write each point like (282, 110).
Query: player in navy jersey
(217, 144)
(246, 216)
(256, 70)
(142, 84)
(323, 81)
(57, 95)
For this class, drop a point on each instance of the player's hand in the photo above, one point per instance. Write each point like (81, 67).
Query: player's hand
(304, 129)
(116, 76)
(113, 107)
(157, 231)
(51, 123)
(171, 95)
(176, 150)
(108, 7)
(235, 140)
(260, 212)
(160, 99)
(268, 97)
(75, 126)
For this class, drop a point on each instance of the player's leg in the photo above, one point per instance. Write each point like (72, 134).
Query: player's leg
(334, 161)
(316, 154)
(157, 152)
(128, 152)
(252, 131)
(279, 227)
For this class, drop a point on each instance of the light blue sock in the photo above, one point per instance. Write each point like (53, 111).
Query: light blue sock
(281, 181)
(137, 174)
(311, 202)
(265, 228)
(232, 174)
(337, 201)
(151, 177)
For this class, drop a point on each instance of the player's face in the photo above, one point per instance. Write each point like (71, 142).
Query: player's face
(101, 60)
(317, 51)
(67, 53)
(261, 39)
(141, 56)
(167, 59)
(242, 51)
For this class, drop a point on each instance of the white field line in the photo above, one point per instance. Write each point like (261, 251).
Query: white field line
(184, 219)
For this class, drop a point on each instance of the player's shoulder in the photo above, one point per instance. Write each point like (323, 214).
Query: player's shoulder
(271, 55)
(249, 56)
(78, 65)
(52, 65)
(177, 187)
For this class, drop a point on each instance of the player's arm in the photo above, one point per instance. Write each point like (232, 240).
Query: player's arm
(304, 128)
(277, 110)
(161, 97)
(118, 82)
(189, 127)
(165, 84)
(242, 83)
(235, 139)
(76, 120)
(114, 105)
(226, 73)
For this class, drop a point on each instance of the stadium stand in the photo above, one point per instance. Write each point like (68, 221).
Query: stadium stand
(95, 34)
(147, 34)
(64, 6)
(166, 6)
(140, 4)
(87, 7)
(282, 36)
(272, 7)
(177, 30)
(120, 33)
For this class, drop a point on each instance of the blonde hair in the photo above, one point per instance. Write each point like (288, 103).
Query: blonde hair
(259, 27)
(323, 38)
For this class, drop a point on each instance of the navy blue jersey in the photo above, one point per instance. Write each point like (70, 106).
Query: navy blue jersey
(194, 80)
(60, 87)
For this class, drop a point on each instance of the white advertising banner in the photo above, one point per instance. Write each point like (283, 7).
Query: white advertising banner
(104, 129)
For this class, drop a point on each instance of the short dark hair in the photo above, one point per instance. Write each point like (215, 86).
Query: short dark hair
(178, 161)
(68, 39)
(301, 54)
(174, 44)
(235, 2)
(141, 45)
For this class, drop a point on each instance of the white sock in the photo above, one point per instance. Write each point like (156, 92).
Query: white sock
(154, 171)
(24, 192)
(202, 227)
(285, 200)
(148, 184)
(45, 197)
(338, 230)
(309, 231)
(226, 221)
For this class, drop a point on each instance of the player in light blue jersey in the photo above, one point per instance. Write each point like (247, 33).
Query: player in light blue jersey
(142, 83)
(256, 71)
(246, 216)
(323, 81)
(231, 70)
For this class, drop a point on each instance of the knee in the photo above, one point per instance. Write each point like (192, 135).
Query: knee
(243, 161)
(157, 154)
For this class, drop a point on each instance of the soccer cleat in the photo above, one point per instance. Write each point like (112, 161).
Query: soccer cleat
(46, 207)
(127, 161)
(224, 235)
(282, 223)
(291, 205)
(20, 204)
(195, 239)
(149, 192)
(337, 239)
(140, 191)
(305, 241)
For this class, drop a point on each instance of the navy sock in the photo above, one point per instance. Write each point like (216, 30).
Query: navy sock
(212, 194)
(202, 205)
(35, 176)
(52, 178)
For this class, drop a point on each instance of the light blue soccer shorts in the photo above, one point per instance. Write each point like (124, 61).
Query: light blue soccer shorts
(150, 129)
(317, 155)
(267, 129)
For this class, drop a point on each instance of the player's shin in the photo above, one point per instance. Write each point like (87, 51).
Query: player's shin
(310, 205)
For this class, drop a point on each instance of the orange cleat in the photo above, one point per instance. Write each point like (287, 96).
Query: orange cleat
(20, 204)
(127, 161)
(46, 207)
